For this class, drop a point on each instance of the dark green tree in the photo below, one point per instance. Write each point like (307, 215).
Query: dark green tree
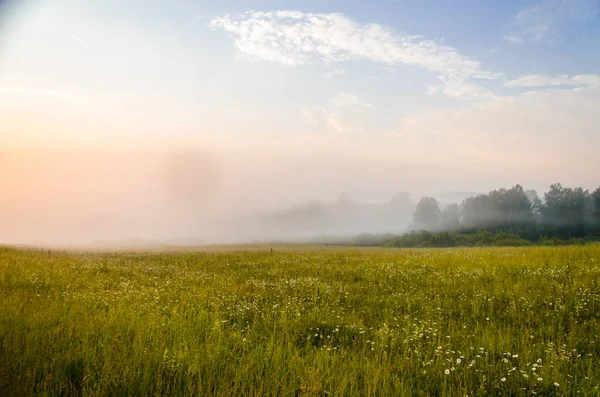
(477, 212)
(564, 210)
(536, 204)
(510, 210)
(596, 204)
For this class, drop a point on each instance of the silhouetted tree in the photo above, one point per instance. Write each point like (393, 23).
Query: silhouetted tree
(536, 204)
(509, 210)
(564, 210)
(596, 204)
(450, 218)
(477, 211)
(427, 214)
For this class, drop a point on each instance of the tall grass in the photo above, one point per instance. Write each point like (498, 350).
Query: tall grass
(440, 322)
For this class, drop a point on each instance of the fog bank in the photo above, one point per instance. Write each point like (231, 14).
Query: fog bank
(207, 197)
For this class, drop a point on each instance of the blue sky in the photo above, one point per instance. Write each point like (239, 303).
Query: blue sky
(492, 85)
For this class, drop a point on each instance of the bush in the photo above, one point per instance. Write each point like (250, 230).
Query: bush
(424, 239)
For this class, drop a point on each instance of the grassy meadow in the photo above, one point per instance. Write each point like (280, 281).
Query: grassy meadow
(306, 322)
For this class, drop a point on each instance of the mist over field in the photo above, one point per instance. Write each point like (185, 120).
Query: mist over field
(130, 197)
(192, 197)
(204, 123)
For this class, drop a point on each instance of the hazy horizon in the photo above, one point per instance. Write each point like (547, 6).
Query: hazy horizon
(187, 121)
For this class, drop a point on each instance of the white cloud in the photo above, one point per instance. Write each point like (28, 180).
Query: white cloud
(546, 20)
(459, 89)
(468, 90)
(322, 118)
(297, 38)
(335, 72)
(334, 123)
(513, 39)
(344, 100)
(80, 41)
(433, 89)
(538, 80)
(342, 114)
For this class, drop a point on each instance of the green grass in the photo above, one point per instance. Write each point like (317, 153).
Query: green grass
(499, 321)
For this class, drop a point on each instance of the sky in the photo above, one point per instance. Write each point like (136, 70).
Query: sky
(278, 102)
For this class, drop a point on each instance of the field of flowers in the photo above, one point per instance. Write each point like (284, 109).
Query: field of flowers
(310, 322)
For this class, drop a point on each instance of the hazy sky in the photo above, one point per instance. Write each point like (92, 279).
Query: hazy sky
(309, 97)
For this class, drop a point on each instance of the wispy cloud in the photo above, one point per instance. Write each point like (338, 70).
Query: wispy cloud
(547, 19)
(539, 80)
(433, 89)
(333, 73)
(459, 89)
(80, 41)
(324, 119)
(334, 123)
(347, 101)
(468, 90)
(296, 38)
(339, 114)
(513, 39)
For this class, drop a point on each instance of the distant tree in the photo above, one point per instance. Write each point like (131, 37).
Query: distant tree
(536, 204)
(477, 211)
(531, 195)
(512, 207)
(564, 209)
(596, 204)
(427, 214)
(589, 211)
(450, 218)
(502, 209)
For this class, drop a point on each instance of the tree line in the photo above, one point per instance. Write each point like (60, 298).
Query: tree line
(562, 213)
